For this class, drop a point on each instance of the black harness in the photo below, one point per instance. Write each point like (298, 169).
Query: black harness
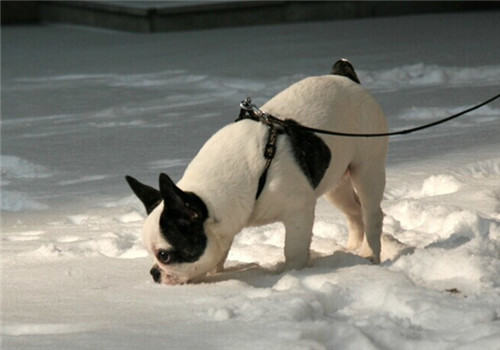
(247, 111)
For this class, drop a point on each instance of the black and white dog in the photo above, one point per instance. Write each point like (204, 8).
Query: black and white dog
(191, 225)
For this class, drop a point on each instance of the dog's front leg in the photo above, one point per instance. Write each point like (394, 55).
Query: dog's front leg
(298, 236)
(220, 265)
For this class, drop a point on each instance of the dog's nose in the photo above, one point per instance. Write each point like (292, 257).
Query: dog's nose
(156, 273)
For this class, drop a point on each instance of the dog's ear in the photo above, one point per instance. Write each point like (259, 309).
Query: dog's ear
(185, 203)
(149, 196)
(182, 220)
(172, 196)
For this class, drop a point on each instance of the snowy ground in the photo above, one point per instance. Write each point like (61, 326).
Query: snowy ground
(82, 107)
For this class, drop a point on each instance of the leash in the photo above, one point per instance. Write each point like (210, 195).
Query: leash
(251, 111)
(278, 126)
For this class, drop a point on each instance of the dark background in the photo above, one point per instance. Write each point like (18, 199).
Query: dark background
(160, 16)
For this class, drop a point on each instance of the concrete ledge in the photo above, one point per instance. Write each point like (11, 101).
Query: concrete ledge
(17, 12)
(97, 14)
(216, 15)
(156, 16)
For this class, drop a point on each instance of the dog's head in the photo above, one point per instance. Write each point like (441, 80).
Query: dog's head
(174, 232)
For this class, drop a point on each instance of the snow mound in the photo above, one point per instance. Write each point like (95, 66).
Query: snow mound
(87, 235)
(78, 219)
(19, 329)
(132, 123)
(168, 163)
(266, 252)
(353, 306)
(431, 113)
(484, 169)
(18, 168)
(34, 235)
(462, 268)
(132, 216)
(454, 246)
(83, 179)
(437, 185)
(468, 259)
(422, 75)
(142, 80)
(111, 245)
(15, 201)
(433, 222)
(68, 239)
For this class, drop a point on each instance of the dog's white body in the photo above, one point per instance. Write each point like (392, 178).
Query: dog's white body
(226, 171)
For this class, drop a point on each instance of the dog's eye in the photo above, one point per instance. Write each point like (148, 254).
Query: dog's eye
(164, 256)
(194, 215)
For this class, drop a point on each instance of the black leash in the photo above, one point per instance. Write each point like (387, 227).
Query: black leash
(249, 110)
(277, 127)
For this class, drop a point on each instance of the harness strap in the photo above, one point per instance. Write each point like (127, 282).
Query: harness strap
(247, 112)
(269, 152)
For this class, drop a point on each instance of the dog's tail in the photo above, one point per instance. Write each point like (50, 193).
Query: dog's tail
(344, 67)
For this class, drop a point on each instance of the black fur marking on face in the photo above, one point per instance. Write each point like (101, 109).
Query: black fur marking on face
(344, 67)
(310, 151)
(182, 222)
(149, 196)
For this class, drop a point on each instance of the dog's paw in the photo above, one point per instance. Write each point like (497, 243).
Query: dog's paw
(368, 253)
(374, 259)
(353, 245)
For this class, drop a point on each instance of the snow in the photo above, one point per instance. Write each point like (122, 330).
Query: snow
(83, 107)
(421, 75)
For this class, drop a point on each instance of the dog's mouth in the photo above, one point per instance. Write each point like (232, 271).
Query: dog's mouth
(172, 280)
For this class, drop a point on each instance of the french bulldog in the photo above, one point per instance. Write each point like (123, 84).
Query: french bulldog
(191, 225)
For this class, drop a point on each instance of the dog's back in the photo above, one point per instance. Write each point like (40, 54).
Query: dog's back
(334, 102)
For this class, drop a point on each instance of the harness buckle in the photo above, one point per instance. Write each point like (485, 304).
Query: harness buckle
(246, 110)
(246, 104)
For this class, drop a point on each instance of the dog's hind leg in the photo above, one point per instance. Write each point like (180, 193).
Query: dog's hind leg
(298, 237)
(346, 200)
(369, 181)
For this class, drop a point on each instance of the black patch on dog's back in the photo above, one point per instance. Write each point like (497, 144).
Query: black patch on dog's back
(310, 152)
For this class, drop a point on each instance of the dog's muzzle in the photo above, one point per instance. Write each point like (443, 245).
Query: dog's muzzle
(160, 276)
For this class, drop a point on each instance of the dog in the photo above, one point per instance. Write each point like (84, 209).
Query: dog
(191, 225)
